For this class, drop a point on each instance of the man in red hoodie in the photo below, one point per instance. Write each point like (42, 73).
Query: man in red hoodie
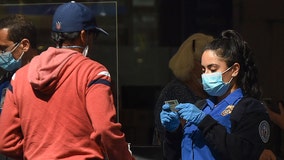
(60, 105)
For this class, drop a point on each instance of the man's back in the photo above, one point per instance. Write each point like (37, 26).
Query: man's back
(69, 112)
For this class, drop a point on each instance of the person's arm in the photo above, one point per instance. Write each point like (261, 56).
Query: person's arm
(101, 109)
(171, 141)
(11, 137)
(172, 144)
(277, 118)
(247, 138)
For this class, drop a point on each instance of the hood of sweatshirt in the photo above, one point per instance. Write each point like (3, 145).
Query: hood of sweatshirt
(46, 69)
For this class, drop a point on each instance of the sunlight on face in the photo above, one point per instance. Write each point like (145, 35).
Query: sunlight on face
(212, 63)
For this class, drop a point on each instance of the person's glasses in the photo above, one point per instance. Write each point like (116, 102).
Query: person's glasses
(14, 46)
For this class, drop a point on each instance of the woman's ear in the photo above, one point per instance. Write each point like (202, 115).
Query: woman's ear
(236, 69)
(25, 44)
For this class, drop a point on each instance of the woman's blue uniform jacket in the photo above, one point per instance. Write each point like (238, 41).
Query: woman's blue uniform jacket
(236, 128)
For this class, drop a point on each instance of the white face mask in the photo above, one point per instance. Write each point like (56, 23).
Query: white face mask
(85, 51)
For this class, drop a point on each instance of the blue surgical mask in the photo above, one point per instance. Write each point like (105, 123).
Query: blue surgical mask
(213, 83)
(8, 62)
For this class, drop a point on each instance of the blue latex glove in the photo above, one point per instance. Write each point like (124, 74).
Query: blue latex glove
(169, 119)
(190, 113)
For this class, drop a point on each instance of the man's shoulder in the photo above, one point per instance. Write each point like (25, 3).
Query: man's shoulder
(89, 64)
(21, 71)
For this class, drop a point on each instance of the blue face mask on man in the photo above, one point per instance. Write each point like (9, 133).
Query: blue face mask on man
(7, 60)
(213, 83)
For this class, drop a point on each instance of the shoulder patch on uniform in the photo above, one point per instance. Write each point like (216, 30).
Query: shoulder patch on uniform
(264, 131)
(228, 110)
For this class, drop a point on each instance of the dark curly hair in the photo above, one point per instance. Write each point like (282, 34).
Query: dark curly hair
(19, 28)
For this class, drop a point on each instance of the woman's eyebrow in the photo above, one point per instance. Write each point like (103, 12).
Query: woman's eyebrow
(212, 65)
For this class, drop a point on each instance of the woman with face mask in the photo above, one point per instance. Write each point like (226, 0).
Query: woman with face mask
(232, 123)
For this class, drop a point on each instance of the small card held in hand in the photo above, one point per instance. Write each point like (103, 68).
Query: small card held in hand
(173, 104)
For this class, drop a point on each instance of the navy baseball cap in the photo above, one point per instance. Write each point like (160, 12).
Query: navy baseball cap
(74, 17)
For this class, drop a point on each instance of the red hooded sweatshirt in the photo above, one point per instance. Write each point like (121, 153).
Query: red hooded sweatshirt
(60, 106)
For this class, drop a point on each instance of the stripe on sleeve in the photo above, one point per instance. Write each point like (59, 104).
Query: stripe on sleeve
(99, 81)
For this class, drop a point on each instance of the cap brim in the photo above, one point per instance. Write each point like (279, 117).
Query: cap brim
(102, 31)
